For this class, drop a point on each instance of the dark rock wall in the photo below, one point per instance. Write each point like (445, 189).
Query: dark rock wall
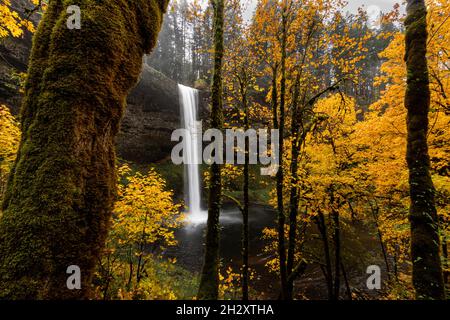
(153, 112)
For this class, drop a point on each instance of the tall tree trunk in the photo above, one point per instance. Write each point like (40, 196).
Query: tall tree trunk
(427, 269)
(245, 238)
(445, 255)
(321, 225)
(337, 253)
(380, 238)
(280, 173)
(347, 284)
(59, 198)
(294, 192)
(275, 97)
(209, 283)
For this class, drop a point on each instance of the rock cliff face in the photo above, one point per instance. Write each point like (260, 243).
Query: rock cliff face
(153, 112)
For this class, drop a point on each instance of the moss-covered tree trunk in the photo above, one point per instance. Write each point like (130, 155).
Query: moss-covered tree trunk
(209, 282)
(59, 198)
(427, 269)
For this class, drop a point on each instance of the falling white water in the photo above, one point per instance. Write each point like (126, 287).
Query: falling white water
(193, 144)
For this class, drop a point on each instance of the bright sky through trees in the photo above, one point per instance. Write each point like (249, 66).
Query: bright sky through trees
(353, 5)
(373, 6)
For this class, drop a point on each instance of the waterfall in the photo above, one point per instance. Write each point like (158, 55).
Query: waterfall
(189, 102)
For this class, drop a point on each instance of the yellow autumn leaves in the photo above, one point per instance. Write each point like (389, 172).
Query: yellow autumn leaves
(9, 142)
(145, 211)
(143, 224)
(11, 23)
(365, 159)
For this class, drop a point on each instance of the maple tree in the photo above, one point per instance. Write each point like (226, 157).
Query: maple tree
(298, 33)
(145, 217)
(386, 125)
(375, 182)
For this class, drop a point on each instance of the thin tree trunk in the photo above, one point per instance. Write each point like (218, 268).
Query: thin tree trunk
(280, 173)
(380, 238)
(294, 196)
(347, 285)
(141, 250)
(245, 230)
(275, 97)
(209, 282)
(130, 264)
(326, 249)
(445, 255)
(337, 254)
(395, 263)
(427, 270)
(59, 198)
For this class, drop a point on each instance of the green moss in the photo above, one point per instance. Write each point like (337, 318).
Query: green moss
(209, 282)
(59, 198)
(427, 269)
